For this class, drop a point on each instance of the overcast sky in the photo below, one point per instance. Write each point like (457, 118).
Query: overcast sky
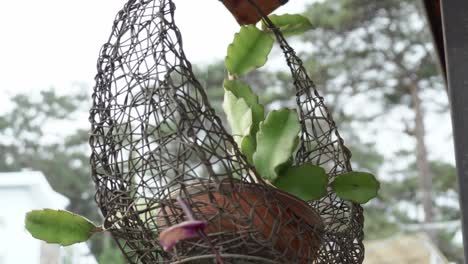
(56, 42)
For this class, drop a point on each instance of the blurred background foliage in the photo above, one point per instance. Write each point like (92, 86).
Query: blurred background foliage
(370, 60)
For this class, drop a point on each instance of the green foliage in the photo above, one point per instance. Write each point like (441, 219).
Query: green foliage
(348, 57)
(271, 149)
(364, 155)
(239, 115)
(289, 24)
(446, 177)
(243, 91)
(64, 162)
(276, 142)
(248, 146)
(244, 114)
(378, 224)
(111, 255)
(212, 77)
(59, 227)
(348, 52)
(366, 46)
(249, 50)
(325, 15)
(358, 187)
(307, 182)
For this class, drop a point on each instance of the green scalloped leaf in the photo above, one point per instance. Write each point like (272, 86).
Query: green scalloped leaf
(243, 91)
(59, 227)
(239, 116)
(308, 182)
(249, 50)
(248, 147)
(290, 24)
(358, 187)
(276, 142)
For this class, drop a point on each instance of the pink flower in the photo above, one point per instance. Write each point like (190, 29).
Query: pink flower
(188, 229)
(185, 230)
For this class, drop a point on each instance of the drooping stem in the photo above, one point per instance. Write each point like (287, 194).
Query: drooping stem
(219, 259)
(189, 214)
(187, 211)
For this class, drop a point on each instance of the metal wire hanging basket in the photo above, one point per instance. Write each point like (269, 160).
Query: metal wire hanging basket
(155, 137)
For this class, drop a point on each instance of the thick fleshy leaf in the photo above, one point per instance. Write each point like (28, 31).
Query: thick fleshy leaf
(185, 230)
(59, 227)
(288, 164)
(239, 116)
(249, 50)
(308, 182)
(243, 91)
(358, 187)
(248, 147)
(290, 24)
(276, 142)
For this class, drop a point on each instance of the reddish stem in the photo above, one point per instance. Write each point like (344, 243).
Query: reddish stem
(189, 214)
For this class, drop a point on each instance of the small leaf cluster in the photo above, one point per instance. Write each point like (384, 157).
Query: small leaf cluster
(269, 143)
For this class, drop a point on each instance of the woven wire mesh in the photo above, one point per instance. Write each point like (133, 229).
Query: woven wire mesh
(321, 144)
(155, 137)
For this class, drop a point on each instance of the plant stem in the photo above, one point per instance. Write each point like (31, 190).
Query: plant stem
(219, 259)
(189, 214)
(187, 211)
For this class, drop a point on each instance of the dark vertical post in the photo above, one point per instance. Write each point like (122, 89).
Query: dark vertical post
(455, 20)
(434, 15)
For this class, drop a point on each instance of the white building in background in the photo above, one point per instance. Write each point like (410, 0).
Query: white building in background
(21, 192)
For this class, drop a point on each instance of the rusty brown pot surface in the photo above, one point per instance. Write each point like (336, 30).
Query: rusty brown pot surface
(293, 227)
(246, 14)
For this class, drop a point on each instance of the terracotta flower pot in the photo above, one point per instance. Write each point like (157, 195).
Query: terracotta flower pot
(246, 14)
(294, 228)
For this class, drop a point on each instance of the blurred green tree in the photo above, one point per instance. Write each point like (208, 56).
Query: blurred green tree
(39, 134)
(375, 58)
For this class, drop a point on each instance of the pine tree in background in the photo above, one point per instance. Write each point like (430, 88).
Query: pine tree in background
(374, 59)
(40, 133)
